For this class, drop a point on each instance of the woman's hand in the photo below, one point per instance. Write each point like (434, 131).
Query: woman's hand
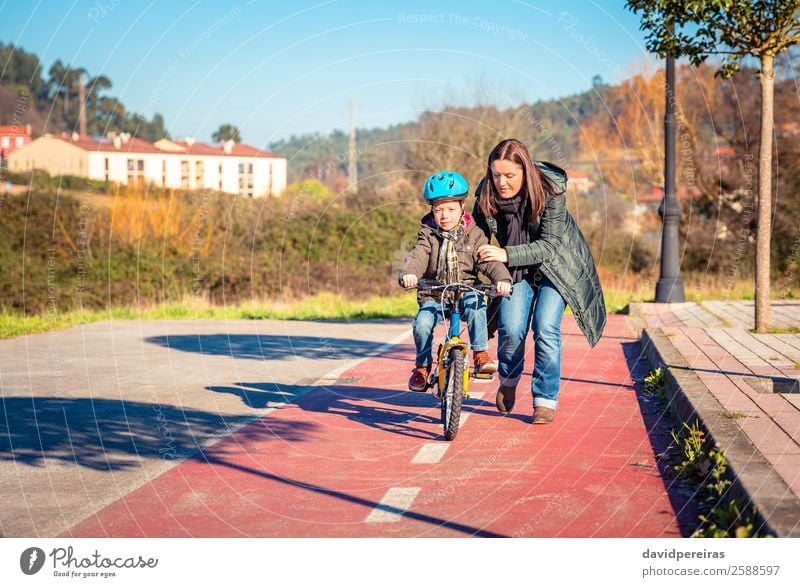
(492, 253)
(503, 288)
(409, 280)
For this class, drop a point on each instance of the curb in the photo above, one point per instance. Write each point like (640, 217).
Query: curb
(752, 476)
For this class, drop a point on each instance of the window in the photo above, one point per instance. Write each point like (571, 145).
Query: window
(185, 175)
(246, 179)
(5, 143)
(220, 176)
(199, 169)
(106, 168)
(135, 171)
(164, 172)
(19, 141)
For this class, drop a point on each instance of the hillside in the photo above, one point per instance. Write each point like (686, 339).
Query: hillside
(153, 245)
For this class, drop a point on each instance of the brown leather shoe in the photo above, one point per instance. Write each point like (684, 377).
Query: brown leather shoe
(505, 398)
(543, 415)
(419, 378)
(483, 363)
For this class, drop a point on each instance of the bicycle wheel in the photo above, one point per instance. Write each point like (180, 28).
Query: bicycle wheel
(454, 394)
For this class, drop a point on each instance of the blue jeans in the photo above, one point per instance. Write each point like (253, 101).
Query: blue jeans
(473, 310)
(541, 309)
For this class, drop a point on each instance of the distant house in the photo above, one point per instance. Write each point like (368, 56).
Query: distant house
(579, 181)
(186, 164)
(12, 138)
(787, 128)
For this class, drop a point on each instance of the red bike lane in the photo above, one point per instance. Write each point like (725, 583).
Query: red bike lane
(361, 457)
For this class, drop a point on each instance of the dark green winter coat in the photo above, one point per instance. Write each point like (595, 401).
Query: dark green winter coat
(559, 251)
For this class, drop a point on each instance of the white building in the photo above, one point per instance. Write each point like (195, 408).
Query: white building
(187, 164)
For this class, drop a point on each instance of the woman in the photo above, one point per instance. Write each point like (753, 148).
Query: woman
(522, 204)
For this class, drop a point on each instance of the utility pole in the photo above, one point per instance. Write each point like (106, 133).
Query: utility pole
(81, 106)
(670, 287)
(352, 153)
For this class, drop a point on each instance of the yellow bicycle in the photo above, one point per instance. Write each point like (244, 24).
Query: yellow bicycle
(451, 375)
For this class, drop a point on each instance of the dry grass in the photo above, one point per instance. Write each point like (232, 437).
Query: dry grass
(139, 214)
(326, 306)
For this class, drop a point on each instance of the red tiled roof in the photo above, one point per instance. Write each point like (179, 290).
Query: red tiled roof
(132, 145)
(648, 197)
(137, 145)
(14, 130)
(238, 150)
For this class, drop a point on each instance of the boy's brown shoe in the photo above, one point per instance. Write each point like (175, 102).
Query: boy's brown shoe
(543, 415)
(483, 363)
(505, 398)
(419, 378)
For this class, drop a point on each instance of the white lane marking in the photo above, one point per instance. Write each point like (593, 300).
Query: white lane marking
(431, 452)
(393, 505)
(462, 419)
(478, 396)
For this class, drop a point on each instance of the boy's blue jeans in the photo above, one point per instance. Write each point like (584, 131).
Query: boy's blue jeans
(473, 310)
(541, 309)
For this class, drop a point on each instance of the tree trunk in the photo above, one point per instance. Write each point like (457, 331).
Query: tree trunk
(767, 79)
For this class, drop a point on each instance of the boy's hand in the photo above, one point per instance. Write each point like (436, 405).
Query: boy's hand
(503, 288)
(409, 280)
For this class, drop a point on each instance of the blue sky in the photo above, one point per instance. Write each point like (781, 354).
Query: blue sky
(280, 68)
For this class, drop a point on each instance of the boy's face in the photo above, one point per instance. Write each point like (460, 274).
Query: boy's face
(448, 214)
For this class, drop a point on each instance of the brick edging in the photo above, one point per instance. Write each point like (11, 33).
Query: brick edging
(753, 477)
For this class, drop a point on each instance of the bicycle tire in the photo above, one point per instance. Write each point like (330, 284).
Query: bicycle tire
(454, 394)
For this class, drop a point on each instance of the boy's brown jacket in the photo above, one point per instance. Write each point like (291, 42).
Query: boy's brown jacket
(423, 260)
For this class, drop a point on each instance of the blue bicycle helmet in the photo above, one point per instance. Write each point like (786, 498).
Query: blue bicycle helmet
(445, 185)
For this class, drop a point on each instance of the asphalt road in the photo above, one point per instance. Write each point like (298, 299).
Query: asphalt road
(91, 413)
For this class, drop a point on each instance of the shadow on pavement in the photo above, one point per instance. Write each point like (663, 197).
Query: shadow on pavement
(269, 347)
(399, 412)
(659, 421)
(213, 459)
(109, 435)
(348, 401)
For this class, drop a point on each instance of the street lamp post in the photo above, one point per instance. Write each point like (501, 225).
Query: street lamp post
(669, 287)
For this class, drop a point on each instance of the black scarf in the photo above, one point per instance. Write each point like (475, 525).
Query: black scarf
(514, 214)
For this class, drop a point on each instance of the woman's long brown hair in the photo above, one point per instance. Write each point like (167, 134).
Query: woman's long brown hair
(535, 184)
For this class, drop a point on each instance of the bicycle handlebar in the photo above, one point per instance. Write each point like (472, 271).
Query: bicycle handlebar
(428, 287)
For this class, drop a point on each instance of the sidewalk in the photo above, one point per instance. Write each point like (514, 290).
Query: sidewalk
(742, 386)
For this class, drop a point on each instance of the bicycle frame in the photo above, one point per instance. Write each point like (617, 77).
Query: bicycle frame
(453, 340)
(451, 386)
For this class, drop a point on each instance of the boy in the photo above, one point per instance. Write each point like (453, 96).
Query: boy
(447, 251)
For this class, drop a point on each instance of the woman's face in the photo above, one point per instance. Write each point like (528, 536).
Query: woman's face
(507, 177)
